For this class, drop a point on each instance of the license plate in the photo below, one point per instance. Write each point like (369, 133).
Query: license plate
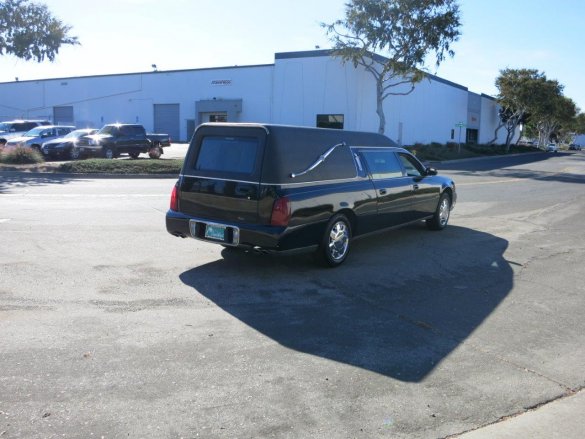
(215, 232)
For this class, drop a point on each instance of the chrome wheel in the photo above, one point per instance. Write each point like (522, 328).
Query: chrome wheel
(109, 153)
(335, 243)
(74, 154)
(338, 241)
(441, 217)
(444, 211)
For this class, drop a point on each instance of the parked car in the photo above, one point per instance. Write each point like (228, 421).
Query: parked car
(67, 146)
(551, 147)
(15, 128)
(574, 147)
(132, 139)
(37, 136)
(285, 189)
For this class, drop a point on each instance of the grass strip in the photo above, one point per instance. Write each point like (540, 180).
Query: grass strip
(138, 166)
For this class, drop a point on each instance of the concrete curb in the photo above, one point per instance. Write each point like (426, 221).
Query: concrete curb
(71, 175)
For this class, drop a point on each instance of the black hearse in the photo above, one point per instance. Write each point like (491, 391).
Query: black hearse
(281, 188)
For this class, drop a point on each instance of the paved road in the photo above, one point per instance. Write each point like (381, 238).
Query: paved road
(112, 328)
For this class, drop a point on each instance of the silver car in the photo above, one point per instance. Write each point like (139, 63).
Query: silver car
(37, 136)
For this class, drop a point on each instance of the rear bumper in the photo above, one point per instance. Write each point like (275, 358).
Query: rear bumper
(262, 237)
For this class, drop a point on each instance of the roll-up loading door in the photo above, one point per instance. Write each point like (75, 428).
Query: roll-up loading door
(166, 120)
(63, 115)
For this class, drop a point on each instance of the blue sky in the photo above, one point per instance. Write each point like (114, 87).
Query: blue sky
(120, 36)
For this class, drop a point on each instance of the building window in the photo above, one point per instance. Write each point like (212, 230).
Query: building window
(330, 121)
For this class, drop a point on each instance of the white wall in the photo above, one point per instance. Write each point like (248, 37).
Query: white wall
(489, 122)
(292, 91)
(130, 98)
(305, 87)
(428, 114)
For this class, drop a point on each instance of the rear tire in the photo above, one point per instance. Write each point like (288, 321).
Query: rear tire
(154, 152)
(335, 243)
(441, 217)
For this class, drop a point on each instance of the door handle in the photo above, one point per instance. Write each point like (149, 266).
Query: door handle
(415, 187)
(382, 191)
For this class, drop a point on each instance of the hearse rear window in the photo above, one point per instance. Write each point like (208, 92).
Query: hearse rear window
(227, 154)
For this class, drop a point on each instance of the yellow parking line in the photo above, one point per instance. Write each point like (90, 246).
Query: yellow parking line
(492, 182)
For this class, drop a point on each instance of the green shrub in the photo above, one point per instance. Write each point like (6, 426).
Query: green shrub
(139, 166)
(21, 156)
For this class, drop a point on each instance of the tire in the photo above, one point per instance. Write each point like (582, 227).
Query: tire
(154, 152)
(37, 148)
(335, 243)
(108, 152)
(74, 153)
(441, 216)
(134, 155)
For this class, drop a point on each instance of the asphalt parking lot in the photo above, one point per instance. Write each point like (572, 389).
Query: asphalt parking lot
(113, 328)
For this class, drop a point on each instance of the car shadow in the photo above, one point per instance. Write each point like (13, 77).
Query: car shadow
(9, 180)
(489, 163)
(400, 304)
(505, 167)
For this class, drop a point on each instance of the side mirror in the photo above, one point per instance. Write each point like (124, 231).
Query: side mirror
(431, 171)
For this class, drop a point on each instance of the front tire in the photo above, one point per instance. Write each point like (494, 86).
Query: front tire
(108, 152)
(441, 216)
(133, 155)
(335, 243)
(74, 153)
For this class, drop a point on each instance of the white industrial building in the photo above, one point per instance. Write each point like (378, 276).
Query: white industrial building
(309, 88)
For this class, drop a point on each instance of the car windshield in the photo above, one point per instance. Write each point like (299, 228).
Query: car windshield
(35, 132)
(108, 129)
(5, 127)
(77, 133)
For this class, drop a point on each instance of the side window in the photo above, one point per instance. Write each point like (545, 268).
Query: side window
(382, 164)
(411, 165)
(124, 131)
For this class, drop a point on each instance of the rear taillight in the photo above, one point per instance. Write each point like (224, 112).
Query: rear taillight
(175, 199)
(280, 212)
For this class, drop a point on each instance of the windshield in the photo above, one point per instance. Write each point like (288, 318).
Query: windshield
(77, 133)
(35, 132)
(108, 129)
(4, 127)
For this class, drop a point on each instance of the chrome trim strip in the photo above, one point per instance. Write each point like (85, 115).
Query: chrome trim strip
(308, 183)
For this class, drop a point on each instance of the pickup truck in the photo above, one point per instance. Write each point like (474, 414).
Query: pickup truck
(115, 139)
